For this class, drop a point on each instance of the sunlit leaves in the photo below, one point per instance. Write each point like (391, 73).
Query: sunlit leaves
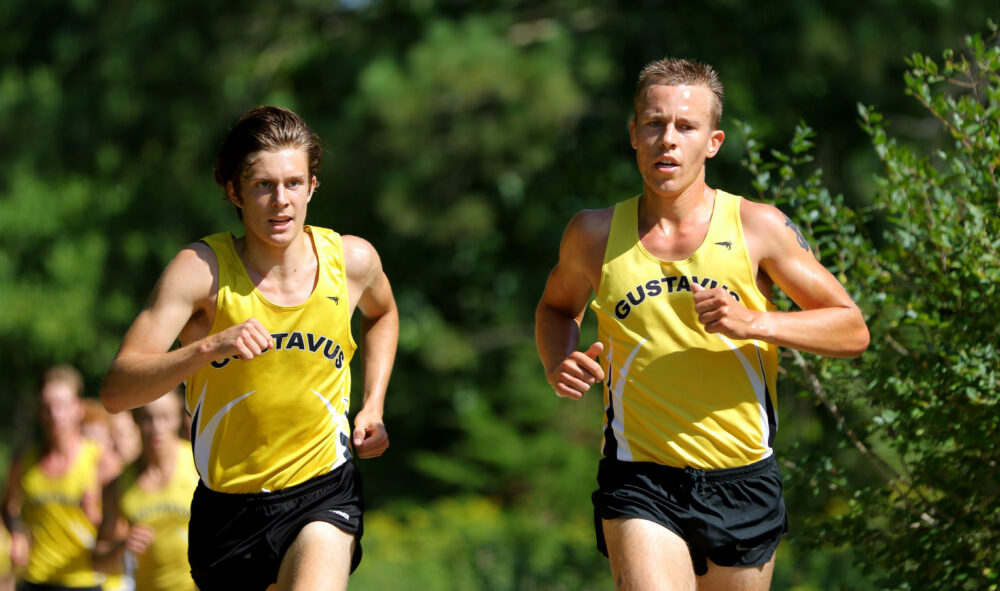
(928, 288)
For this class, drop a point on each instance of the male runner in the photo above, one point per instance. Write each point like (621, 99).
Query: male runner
(263, 322)
(97, 425)
(52, 500)
(144, 530)
(689, 494)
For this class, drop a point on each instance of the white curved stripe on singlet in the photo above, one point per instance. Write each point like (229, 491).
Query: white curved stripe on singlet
(84, 536)
(618, 423)
(338, 427)
(204, 437)
(759, 389)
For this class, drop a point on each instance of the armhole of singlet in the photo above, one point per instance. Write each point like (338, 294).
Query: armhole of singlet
(613, 231)
(338, 242)
(737, 216)
(223, 266)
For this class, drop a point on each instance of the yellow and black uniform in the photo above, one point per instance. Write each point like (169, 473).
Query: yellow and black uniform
(267, 432)
(675, 394)
(279, 419)
(62, 536)
(680, 401)
(163, 566)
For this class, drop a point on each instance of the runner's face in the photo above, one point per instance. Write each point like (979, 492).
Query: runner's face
(60, 408)
(275, 191)
(125, 435)
(159, 421)
(672, 136)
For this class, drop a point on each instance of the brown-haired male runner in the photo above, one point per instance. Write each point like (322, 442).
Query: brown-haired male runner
(264, 325)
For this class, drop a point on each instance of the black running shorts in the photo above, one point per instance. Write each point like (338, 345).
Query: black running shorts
(733, 516)
(237, 541)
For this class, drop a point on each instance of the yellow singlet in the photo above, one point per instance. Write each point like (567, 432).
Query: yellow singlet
(279, 419)
(164, 565)
(675, 394)
(62, 537)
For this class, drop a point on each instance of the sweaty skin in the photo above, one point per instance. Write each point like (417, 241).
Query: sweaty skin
(673, 134)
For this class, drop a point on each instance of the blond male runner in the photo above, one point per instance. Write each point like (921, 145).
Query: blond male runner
(52, 501)
(689, 495)
(263, 322)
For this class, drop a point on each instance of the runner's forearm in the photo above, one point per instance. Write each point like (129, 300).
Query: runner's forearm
(556, 335)
(833, 332)
(379, 337)
(136, 379)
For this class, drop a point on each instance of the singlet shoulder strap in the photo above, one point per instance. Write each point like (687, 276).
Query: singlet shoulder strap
(231, 270)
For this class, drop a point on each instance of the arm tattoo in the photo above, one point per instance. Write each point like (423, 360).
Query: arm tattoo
(798, 234)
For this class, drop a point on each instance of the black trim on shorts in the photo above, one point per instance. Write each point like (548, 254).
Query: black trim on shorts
(237, 541)
(731, 516)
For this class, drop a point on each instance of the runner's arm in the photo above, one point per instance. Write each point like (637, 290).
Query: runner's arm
(379, 337)
(146, 367)
(109, 550)
(828, 322)
(12, 498)
(561, 308)
(115, 536)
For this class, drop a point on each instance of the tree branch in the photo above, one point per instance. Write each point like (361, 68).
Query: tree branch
(890, 475)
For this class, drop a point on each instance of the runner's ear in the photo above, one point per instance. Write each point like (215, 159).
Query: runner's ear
(233, 194)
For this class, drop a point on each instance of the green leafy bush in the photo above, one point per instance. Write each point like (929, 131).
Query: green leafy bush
(911, 483)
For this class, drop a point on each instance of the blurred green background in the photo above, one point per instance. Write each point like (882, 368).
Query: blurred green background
(460, 138)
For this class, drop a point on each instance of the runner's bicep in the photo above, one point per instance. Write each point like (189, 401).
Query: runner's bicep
(185, 284)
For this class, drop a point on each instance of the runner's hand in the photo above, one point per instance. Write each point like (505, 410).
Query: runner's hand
(20, 544)
(722, 313)
(246, 340)
(370, 437)
(140, 536)
(577, 373)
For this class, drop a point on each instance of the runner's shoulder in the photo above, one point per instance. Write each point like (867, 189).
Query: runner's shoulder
(590, 226)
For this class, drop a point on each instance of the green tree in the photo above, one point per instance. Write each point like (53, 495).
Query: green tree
(912, 484)
(461, 136)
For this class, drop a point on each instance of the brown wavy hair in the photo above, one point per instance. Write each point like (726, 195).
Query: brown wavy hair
(263, 128)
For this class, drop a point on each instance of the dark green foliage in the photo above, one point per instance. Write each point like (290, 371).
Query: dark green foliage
(920, 407)
(460, 138)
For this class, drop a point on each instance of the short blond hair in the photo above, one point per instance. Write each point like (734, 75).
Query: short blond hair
(680, 72)
(64, 374)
